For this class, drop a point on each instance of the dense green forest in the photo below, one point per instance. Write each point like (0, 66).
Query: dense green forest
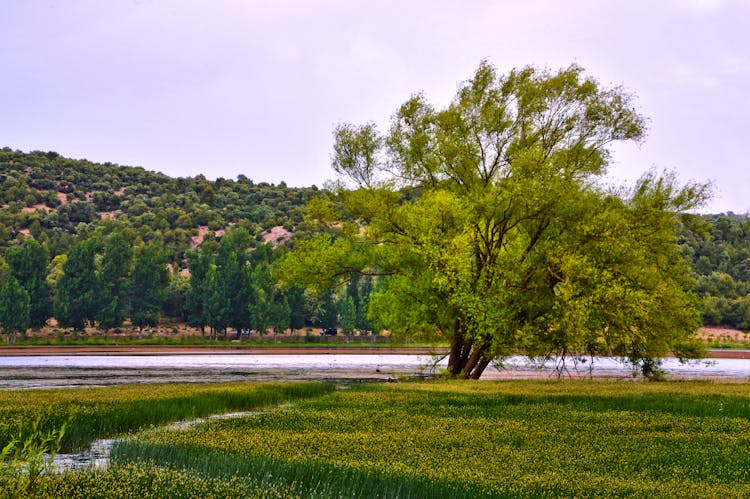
(96, 244)
(718, 250)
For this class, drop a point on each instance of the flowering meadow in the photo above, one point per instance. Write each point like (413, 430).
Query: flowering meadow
(523, 438)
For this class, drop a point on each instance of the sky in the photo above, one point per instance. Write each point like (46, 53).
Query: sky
(229, 87)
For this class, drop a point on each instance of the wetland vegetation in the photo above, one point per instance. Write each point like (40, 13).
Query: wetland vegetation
(432, 439)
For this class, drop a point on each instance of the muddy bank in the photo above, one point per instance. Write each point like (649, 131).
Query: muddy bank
(60, 377)
(10, 350)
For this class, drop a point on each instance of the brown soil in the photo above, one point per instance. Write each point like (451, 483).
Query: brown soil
(714, 333)
(32, 209)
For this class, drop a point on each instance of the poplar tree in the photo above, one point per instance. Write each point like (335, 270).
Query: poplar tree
(28, 264)
(14, 308)
(147, 285)
(116, 263)
(78, 288)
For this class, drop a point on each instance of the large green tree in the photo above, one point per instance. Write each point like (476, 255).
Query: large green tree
(14, 308)
(199, 263)
(234, 279)
(116, 262)
(261, 308)
(149, 278)
(490, 225)
(295, 297)
(28, 264)
(77, 293)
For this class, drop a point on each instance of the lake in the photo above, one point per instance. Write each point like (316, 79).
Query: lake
(99, 370)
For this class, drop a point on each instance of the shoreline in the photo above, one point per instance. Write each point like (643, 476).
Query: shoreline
(30, 351)
(34, 350)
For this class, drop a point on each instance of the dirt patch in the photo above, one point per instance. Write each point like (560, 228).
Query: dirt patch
(276, 235)
(109, 215)
(196, 241)
(713, 333)
(32, 209)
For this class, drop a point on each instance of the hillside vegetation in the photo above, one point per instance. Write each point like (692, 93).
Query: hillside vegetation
(146, 245)
(59, 201)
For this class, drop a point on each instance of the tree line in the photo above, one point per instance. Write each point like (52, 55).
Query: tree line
(79, 239)
(105, 280)
(717, 247)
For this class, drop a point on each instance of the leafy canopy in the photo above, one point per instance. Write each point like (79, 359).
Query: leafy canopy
(488, 224)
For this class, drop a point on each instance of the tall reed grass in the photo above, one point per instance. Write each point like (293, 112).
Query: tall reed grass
(92, 413)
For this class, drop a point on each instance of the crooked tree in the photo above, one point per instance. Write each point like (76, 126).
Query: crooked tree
(489, 224)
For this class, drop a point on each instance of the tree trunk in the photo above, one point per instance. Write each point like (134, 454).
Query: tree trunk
(454, 359)
(468, 358)
(480, 367)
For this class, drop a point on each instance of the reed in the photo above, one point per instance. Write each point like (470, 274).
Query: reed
(92, 413)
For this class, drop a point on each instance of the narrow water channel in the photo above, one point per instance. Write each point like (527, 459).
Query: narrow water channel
(97, 456)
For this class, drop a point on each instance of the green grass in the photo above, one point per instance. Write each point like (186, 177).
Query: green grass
(441, 439)
(150, 481)
(94, 413)
(487, 439)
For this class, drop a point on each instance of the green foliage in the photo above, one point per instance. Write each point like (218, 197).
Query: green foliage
(262, 306)
(297, 303)
(348, 315)
(233, 279)
(326, 312)
(28, 264)
(489, 227)
(14, 308)
(147, 285)
(176, 294)
(3, 269)
(117, 259)
(195, 302)
(156, 207)
(77, 291)
(718, 247)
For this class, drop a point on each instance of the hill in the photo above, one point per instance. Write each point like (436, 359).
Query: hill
(59, 200)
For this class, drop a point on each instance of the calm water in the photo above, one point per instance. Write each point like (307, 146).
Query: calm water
(88, 370)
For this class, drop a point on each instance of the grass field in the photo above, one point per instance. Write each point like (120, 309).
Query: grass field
(93, 413)
(451, 439)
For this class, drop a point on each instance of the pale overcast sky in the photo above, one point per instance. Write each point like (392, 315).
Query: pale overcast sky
(229, 87)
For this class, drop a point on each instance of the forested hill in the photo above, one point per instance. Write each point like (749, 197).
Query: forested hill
(59, 201)
(718, 249)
